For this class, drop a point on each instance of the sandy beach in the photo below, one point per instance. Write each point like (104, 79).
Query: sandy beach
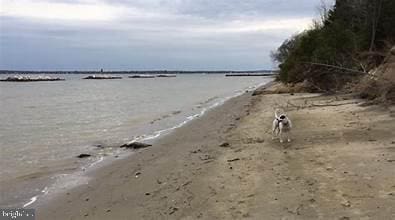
(225, 165)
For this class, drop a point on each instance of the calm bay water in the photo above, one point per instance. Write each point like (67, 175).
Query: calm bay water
(45, 125)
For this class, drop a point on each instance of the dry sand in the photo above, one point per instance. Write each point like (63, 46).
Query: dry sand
(224, 165)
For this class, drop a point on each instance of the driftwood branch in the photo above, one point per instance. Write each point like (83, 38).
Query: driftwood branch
(334, 67)
(337, 104)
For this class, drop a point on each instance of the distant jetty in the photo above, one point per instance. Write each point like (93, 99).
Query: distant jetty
(102, 77)
(30, 79)
(152, 75)
(144, 76)
(166, 75)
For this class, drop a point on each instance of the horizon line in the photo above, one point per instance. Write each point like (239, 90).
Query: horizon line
(130, 71)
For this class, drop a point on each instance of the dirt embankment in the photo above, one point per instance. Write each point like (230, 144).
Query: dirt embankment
(379, 85)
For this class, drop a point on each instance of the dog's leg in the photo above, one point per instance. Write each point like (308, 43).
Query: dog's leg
(290, 128)
(274, 129)
(288, 137)
(281, 132)
(281, 135)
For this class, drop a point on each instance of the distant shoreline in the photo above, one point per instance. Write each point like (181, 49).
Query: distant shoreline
(137, 72)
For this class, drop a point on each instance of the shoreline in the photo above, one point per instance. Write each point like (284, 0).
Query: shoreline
(93, 174)
(57, 184)
(225, 165)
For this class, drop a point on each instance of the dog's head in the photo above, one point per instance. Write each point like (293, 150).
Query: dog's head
(282, 118)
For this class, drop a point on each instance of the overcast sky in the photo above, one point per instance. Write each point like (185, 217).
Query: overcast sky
(147, 34)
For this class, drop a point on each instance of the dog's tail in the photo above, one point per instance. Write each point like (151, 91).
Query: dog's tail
(277, 112)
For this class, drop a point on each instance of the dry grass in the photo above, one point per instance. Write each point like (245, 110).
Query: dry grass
(280, 88)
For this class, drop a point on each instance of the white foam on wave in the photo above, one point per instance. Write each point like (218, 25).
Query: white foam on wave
(97, 161)
(45, 190)
(31, 201)
(62, 183)
(159, 133)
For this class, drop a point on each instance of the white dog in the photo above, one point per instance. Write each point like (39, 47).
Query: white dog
(281, 125)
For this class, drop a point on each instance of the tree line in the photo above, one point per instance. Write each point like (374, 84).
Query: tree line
(348, 40)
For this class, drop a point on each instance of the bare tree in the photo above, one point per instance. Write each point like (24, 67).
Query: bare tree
(376, 13)
(323, 9)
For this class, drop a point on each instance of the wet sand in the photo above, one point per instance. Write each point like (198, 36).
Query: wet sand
(225, 165)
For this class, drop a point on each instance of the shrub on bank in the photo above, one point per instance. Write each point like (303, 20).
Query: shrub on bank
(343, 46)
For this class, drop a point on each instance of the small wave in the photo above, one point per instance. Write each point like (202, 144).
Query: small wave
(157, 134)
(208, 100)
(165, 116)
(31, 201)
(97, 161)
(45, 190)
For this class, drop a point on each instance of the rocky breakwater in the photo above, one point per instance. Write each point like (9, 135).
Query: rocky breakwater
(30, 79)
(102, 77)
(144, 76)
(166, 75)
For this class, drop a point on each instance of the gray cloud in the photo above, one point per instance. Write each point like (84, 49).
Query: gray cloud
(230, 8)
(166, 34)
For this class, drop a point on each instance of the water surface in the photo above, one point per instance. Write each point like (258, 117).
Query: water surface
(44, 125)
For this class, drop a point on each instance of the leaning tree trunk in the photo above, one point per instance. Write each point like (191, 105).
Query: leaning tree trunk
(375, 20)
